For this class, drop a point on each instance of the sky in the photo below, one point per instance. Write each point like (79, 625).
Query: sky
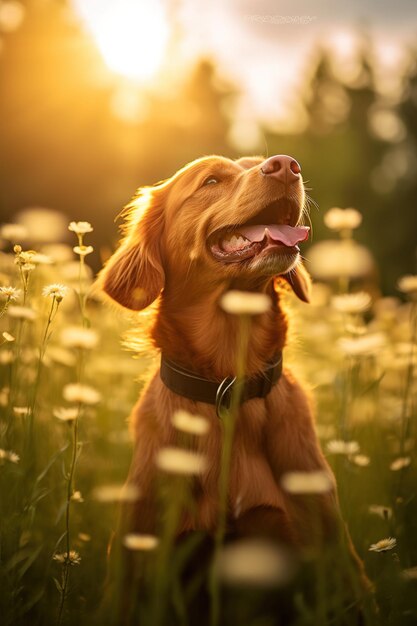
(377, 11)
(265, 45)
(268, 44)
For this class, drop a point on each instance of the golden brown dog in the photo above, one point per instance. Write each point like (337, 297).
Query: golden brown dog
(217, 225)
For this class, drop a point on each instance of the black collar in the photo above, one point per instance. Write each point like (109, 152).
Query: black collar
(190, 385)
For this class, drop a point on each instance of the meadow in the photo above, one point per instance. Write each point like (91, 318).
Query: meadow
(67, 387)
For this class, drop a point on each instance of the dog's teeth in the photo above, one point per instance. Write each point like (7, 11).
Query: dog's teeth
(234, 243)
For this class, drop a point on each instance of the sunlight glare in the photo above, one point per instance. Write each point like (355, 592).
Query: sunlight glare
(343, 43)
(132, 35)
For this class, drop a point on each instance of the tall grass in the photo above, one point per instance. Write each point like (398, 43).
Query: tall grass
(66, 390)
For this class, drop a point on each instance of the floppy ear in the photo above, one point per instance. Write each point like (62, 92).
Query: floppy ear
(134, 275)
(300, 282)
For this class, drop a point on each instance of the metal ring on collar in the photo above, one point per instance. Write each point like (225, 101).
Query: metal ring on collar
(224, 394)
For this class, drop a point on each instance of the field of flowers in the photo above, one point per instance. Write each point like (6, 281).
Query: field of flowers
(66, 389)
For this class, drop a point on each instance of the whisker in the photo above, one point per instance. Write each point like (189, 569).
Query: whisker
(310, 200)
(290, 274)
(265, 144)
(311, 227)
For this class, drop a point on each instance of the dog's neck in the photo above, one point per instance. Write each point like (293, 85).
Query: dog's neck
(196, 333)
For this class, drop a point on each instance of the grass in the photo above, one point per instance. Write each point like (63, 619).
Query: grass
(66, 390)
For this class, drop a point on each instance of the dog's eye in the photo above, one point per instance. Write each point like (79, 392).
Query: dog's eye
(211, 180)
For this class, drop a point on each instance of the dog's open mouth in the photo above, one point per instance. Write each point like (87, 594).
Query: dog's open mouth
(260, 234)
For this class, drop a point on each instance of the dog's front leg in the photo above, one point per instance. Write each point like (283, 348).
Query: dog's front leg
(265, 522)
(292, 446)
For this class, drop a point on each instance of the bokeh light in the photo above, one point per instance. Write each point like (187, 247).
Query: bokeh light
(132, 36)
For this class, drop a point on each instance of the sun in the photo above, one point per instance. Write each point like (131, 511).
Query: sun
(132, 35)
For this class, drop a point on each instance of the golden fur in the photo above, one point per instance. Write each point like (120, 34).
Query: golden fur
(164, 254)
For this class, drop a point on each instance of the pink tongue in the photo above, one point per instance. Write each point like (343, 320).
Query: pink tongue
(282, 233)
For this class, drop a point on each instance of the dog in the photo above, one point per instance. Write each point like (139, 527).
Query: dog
(218, 225)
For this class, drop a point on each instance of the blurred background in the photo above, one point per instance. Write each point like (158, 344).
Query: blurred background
(102, 96)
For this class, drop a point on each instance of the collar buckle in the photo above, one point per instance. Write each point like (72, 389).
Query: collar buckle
(224, 395)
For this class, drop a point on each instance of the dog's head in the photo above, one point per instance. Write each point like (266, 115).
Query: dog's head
(216, 220)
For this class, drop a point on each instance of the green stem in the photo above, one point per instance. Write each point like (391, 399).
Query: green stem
(52, 313)
(25, 283)
(175, 506)
(405, 417)
(405, 420)
(67, 562)
(65, 576)
(229, 420)
(81, 295)
(15, 378)
(5, 307)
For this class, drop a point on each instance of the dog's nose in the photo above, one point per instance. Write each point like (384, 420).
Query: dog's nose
(282, 167)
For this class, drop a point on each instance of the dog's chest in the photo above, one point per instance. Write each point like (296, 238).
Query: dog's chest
(252, 482)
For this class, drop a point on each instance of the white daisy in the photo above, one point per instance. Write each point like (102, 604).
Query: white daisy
(245, 302)
(79, 337)
(352, 302)
(400, 463)
(73, 558)
(134, 541)
(83, 394)
(11, 293)
(83, 250)
(66, 414)
(56, 291)
(188, 423)
(408, 283)
(80, 228)
(178, 461)
(339, 446)
(383, 545)
(307, 482)
(9, 455)
(342, 219)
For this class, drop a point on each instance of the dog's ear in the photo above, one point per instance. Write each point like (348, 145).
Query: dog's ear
(300, 282)
(134, 275)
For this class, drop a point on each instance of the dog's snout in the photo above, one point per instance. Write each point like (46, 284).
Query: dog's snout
(282, 167)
